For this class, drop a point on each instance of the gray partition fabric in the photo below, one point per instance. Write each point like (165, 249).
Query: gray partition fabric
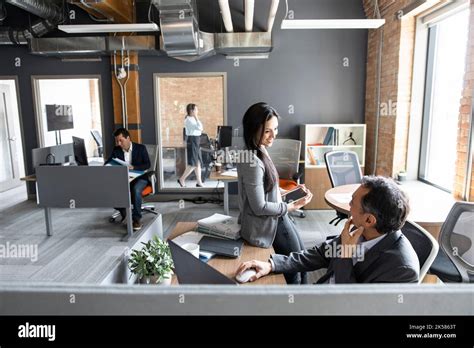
(380, 299)
(83, 186)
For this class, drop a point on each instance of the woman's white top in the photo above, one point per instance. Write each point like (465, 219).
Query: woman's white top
(193, 127)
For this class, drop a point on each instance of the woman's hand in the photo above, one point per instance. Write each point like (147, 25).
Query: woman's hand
(300, 203)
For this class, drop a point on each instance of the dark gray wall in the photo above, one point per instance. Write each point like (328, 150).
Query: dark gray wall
(305, 70)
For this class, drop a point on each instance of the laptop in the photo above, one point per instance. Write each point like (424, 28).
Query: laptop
(190, 270)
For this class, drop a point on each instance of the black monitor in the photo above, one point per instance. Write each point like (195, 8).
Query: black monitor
(80, 154)
(224, 136)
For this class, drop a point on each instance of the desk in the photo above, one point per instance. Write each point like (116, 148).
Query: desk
(228, 266)
(226, 179)
(429, 206)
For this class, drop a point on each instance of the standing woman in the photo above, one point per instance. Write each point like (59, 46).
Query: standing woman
(193, 134)
(263, 215)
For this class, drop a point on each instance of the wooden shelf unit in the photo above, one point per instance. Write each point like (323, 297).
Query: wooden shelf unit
(315, 175)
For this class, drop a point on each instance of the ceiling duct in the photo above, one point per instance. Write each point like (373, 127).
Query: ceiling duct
(92, 45)
(180, 35)
(45, 9)
(245, 43)
(179, 27)
(48, 10)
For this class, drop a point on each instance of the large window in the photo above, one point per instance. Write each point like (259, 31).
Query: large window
(67, 107)
(444, 82)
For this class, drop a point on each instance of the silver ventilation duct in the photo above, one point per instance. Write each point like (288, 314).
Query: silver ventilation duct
(48, 10)
(45, 9)
(92, 45)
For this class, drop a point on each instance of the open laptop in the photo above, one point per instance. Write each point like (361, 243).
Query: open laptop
(190, 270)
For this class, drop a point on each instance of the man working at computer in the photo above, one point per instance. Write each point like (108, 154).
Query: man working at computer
(375, 251)
(137, 158)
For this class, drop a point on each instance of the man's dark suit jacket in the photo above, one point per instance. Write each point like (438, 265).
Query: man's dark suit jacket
(391, 260)
(139, 160)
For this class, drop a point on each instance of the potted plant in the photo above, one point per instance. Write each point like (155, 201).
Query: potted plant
(153, 263)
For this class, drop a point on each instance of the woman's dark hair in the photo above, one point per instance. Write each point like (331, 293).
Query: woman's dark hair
(190, 108)
(386, 202)
(121, 131)
(254, 128)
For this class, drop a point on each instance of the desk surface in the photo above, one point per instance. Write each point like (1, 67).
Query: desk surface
(218, 176)
(428, 205)
(228, 266)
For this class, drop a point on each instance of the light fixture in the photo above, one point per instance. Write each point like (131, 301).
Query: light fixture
(332, 23)
(248, 56)
(108, 28)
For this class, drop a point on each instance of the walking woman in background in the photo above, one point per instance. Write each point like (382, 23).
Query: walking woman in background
(263, 215)
(193, 134)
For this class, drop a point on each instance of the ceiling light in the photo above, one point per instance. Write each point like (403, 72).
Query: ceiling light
(332, 23)
(108, 28)
(248, 56)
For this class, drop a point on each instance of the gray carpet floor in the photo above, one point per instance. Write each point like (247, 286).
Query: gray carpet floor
(85, 243)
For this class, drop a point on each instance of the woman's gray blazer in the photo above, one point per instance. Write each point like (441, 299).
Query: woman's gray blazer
(259, 211)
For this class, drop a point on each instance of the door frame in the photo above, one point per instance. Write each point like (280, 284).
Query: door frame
(156, 97)
(15, 182)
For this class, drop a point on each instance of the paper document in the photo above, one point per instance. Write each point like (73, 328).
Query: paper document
(230, 173)
(341, 197)
(188, 237)
(119, 161)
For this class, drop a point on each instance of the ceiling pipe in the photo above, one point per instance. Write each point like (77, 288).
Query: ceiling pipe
(45, 9)
(226, 16)
(249, 12)
(272, 14)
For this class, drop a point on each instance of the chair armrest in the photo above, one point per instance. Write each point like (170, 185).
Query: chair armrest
(297, 176)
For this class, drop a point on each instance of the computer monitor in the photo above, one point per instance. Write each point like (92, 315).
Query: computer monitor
(224, 136)
(80, 154)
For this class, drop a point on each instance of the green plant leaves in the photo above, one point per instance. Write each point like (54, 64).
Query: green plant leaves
(153, 260)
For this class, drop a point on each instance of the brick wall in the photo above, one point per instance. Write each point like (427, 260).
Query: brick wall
(395, 88)
(175, 93)
(465, 120)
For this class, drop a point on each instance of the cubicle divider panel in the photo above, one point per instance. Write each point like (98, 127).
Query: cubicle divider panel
(83, 187)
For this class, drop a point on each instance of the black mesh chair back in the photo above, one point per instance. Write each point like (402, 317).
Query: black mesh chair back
(426, 247)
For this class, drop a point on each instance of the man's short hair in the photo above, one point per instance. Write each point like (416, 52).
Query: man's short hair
(386, 202)
(121, 131)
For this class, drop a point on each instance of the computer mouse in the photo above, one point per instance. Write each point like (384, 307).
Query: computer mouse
(245, 276)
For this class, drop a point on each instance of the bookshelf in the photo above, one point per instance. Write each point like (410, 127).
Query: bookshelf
(317, 139)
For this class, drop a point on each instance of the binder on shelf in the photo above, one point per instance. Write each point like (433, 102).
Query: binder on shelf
(329, 136)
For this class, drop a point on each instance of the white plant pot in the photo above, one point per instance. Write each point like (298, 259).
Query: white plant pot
(152, 280)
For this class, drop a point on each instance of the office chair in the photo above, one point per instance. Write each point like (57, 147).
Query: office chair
(426, 247)
(149, 189)
(343, 169)
(455, 259)
(98, 140)
(285, 154)
(207, 153)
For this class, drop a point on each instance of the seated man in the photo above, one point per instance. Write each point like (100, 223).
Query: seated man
(136, 156)
(375, 251)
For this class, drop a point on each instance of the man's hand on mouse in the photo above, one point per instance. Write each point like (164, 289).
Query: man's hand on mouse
(262, 268)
